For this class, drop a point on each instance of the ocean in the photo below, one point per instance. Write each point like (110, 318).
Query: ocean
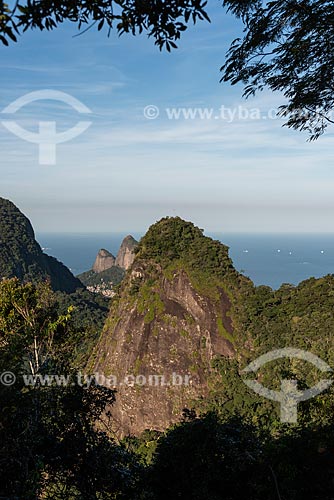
(268, 259)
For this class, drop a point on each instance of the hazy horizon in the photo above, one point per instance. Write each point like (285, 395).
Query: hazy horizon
(229, 172)
(268, 259)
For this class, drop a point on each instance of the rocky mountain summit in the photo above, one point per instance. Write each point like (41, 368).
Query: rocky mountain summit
(104, 260)
(174, 314)
(126, 253)
(22, 257)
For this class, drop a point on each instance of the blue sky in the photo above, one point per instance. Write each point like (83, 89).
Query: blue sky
(126, 171)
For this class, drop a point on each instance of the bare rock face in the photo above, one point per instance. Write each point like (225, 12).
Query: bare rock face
(176, 348)
(104, 260)
(174, 315)
(126, 255)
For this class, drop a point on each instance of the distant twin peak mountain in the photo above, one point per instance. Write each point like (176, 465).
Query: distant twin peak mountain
(108, 271)
(125, 256)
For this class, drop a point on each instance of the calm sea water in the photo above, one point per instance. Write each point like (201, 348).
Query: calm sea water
(267, 259)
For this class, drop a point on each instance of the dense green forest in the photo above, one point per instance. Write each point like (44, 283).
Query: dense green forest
(22, 257)
(57, 440)
(111, 277)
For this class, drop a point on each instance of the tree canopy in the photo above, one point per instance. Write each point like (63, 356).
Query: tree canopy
(287, 46)
(164, 21)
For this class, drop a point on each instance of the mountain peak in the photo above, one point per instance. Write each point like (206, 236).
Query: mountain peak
(174, 315)
(8, 211)
(126, 253)
(104, 260)
(173, 239)
(22, 257)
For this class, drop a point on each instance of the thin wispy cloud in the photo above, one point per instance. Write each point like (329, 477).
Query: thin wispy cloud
(238, 175)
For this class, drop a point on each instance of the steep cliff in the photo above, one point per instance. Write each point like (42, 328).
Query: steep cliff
(104, 260)
(175, 313)
(21, 255)
(126, 255)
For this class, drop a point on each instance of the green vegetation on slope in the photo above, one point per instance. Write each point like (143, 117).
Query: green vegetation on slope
(112, 276)
(174, 245)
(233, 446)
(173, 239)
(22, 257)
